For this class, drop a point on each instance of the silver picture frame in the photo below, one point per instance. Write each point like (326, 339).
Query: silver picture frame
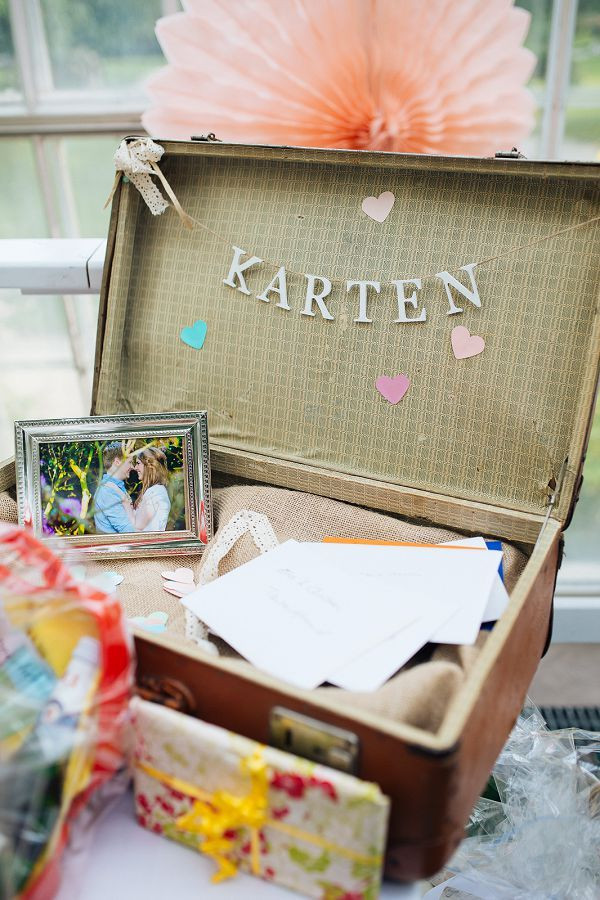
(190, 427)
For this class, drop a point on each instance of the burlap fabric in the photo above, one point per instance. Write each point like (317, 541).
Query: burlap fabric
(307, 517)
(419, 694)
(8, 508)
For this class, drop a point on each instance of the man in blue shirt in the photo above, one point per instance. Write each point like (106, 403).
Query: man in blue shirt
(109, 513)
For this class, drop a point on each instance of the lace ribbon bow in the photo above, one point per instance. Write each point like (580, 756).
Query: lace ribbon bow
(137, 158)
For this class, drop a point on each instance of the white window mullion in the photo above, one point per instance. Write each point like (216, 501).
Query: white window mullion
(80, 316)
(560, 50)
(43, 67)
(19, 22)
(45, 180)
(66, 121)
(65, 198)
(45, 176)
(31, 49)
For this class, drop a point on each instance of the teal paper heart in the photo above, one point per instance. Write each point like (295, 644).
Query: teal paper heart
(155, 623)
(194, 335)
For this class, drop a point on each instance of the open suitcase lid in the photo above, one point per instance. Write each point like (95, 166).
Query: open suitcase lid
(505, 428)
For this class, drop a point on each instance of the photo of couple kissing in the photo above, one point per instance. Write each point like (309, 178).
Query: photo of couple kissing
(115, 512)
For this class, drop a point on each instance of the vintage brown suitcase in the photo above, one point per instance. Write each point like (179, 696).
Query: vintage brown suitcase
(491, 445)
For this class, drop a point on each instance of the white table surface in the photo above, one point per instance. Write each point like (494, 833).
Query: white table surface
(127, 862)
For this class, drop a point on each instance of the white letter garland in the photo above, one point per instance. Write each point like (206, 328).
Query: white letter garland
(362, 297)
(403, 300)
(237, 268)
(471, 295)
(313, 297)
(280, 288)
(318, 287)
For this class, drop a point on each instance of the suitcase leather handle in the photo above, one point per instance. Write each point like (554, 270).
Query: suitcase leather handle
(167, 692)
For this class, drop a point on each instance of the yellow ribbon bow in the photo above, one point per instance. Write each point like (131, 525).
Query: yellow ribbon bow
(212, 818)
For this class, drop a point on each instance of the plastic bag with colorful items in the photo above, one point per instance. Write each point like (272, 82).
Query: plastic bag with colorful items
(65, 678)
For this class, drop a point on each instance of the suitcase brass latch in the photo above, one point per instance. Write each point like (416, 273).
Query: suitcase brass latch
(314, 740)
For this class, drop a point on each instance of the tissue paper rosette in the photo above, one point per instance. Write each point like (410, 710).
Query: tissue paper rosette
(311, 828)
(435, 77)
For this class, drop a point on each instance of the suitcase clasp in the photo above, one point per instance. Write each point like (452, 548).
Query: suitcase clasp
(314, 740)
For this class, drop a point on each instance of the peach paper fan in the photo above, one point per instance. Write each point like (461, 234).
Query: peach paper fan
(416, 76)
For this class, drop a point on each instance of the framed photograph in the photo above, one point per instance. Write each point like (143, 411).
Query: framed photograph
(110, 485)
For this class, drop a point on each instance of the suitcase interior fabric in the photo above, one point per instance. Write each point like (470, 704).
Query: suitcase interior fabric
(299, 390)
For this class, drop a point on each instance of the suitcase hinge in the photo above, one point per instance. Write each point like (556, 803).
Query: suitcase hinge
(509, 154)
(210, 137)
(554, 489)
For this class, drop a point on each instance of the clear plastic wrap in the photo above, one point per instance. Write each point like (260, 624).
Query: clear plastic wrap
(65, 681)
(540, 838)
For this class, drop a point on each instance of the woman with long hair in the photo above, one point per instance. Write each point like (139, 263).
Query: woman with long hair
(152, 508)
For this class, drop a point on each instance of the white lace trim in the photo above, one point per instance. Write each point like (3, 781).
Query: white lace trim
(264, 538)
(246, 520)
(134, 159)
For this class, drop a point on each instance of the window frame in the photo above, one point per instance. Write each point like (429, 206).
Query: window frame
(558, 76)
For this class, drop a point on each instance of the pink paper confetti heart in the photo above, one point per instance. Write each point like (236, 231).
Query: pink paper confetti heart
(184, 575)
(465, 344)
(379, 208)
(393, 389)
(178, 588)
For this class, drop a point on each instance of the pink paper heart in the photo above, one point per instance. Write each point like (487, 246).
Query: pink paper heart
(465, 344)
(184, 575)
(393, 389)
(178, 589)
(379, 208)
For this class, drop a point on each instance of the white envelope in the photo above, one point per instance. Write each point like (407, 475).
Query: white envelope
(452, 586)
(373, 668)
(497, 601)
(297, 616)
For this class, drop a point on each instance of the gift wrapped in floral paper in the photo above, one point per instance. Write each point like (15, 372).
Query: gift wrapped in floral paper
(316, 830)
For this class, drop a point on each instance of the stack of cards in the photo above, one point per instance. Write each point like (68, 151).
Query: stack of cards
(351, 614)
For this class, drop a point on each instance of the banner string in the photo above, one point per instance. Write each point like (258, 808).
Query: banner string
(137, 158)
(540, 240)
(488, 259)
